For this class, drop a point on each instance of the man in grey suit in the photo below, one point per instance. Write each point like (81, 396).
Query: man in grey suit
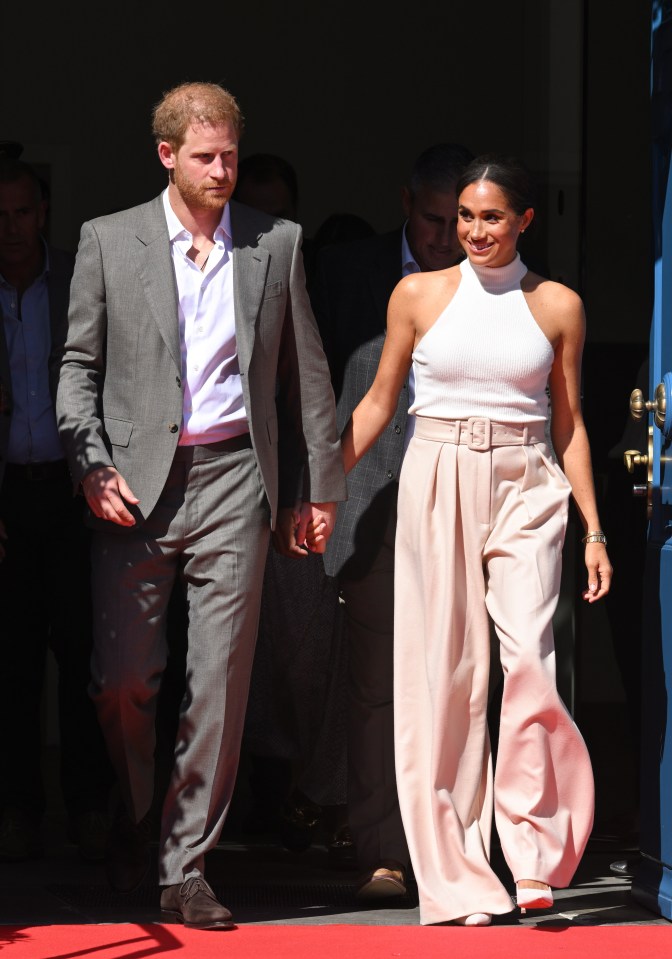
(196, 409)
(353, 286)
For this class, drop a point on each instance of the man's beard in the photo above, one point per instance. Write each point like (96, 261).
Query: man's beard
(198, 196)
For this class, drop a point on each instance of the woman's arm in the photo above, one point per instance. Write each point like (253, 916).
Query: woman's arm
(569, 435)
(377, 407)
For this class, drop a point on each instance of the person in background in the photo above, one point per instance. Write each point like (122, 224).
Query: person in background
(482, 514)
(269, 183)
(190, 333)
(294, 739)
(353, 283)
(44, 573)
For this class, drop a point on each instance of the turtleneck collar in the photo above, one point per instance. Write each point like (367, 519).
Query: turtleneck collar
(497, 279)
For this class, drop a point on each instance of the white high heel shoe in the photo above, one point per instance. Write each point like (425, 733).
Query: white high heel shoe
(527, 898)
(475, 919)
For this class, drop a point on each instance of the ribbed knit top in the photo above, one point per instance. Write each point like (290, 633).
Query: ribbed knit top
(485, 355)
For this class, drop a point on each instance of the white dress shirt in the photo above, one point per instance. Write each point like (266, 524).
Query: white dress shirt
(214, 407)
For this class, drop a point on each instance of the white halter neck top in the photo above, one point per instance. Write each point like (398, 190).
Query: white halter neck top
(485, 355)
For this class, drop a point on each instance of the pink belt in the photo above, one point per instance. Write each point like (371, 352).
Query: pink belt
(478, 432)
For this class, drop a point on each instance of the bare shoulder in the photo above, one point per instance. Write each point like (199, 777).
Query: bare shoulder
(419, 288)
(550, 292)
(557, 308)
(420, 298)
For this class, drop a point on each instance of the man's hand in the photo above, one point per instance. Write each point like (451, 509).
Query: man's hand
(3, 539)
(316, 524)
(284, 534)
(105, 490)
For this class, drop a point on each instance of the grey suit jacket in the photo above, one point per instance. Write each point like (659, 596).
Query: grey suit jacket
(352, 288)
(61, 264)
(120, 392)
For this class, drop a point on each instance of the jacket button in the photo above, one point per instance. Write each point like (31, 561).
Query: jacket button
(178, 381)
(390, 474)
(397, 429)
(173, 427)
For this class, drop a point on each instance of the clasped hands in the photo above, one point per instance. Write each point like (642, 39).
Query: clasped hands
(304, 528)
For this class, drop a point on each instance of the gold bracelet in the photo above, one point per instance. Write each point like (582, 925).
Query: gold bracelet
(595, 536)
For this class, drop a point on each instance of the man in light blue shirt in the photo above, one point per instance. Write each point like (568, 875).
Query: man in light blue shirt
(44, 573)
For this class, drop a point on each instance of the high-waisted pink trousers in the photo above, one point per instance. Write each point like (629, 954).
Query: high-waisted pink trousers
(481, 526)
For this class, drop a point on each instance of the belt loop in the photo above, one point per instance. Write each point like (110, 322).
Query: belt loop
(525, 436)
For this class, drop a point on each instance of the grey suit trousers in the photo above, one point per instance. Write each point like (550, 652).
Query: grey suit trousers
(210, 528)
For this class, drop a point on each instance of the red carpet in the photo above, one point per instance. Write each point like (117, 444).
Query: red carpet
(127, 941)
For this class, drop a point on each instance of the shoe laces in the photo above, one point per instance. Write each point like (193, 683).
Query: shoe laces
(192, 886)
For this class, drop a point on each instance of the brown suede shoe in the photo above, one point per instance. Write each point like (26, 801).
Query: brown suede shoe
(194, 903)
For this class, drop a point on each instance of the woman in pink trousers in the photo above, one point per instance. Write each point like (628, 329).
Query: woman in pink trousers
(483, 504)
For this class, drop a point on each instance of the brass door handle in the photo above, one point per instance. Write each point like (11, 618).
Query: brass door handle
(633, 458)
(639, 406)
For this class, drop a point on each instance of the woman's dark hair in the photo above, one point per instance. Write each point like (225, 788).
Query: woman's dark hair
(508, 173)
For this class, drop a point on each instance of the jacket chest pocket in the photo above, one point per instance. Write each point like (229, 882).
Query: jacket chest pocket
(118, 431)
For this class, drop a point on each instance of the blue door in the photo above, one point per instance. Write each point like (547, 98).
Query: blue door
(652, 884)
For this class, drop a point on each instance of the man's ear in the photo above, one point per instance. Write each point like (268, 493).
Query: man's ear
(166, 155)
(406, 201)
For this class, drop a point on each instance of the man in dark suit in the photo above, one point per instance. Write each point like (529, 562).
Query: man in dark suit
(195, 406)
(44, 576)
(353, 286)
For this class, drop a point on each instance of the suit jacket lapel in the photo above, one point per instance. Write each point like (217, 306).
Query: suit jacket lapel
(155, 268)
(250, 266)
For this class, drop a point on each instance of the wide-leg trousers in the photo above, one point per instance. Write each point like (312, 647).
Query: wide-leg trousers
(481, 525)
(210, 528)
